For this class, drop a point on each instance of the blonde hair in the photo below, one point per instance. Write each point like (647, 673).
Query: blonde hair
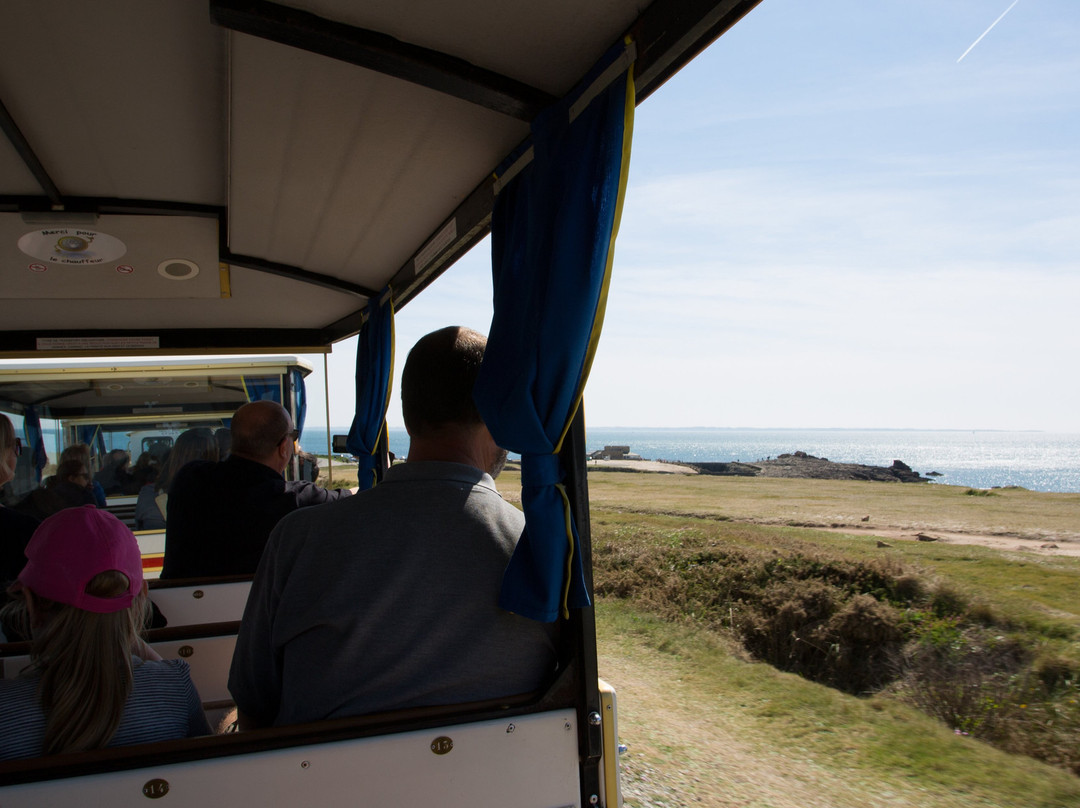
(84, 660)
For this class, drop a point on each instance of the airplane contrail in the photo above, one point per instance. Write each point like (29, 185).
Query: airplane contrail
(987, 31)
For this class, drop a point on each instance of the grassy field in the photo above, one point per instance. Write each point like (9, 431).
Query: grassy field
(822, 503)
(708, 724)
(705, 726)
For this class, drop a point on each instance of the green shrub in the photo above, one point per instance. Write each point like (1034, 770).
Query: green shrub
(858, 625)
(946, 601)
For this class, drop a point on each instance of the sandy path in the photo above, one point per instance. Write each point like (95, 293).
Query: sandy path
(1058, 547)
(687, 747)
(655, 466)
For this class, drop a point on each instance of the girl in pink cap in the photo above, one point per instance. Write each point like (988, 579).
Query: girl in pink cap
(92, 681)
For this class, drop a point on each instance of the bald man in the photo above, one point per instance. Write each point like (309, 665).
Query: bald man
(221, 514)
(389, 599)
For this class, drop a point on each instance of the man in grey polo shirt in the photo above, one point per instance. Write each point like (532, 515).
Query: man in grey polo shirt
(389, 599)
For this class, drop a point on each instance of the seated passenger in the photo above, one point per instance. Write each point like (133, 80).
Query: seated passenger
(220, 514)
(114, 476)
(152, 504)
(15, 527)
(144, 472)
(389, 599)
(68, 488)
(92, 682)
(81, 452)
(223, 436)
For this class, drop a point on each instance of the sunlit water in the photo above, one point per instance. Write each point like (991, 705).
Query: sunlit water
(1040, 461)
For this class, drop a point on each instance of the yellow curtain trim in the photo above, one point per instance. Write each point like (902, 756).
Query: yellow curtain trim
(564, 600)
(393, 347)
(601, 308)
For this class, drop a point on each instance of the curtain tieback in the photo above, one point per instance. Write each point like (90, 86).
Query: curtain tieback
(540, 470)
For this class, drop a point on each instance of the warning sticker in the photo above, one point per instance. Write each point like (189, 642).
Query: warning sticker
(73, 246)
(96, 343)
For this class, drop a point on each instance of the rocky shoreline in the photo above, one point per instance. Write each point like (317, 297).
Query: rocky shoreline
(806, 466)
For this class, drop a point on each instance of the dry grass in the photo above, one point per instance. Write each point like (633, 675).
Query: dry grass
(821, 503)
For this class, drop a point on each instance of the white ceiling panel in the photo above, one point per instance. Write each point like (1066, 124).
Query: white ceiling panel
(119, 99)
(342, 170)
(258, 301)
(320, 148)
(547, 45)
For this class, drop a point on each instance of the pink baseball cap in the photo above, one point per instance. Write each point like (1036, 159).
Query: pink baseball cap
(72, 546)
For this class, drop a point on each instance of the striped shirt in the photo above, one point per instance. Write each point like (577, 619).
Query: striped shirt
(163, 705)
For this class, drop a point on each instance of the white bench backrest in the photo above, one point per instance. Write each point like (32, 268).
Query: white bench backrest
(523, 761)
(209, 659)
(207, 603)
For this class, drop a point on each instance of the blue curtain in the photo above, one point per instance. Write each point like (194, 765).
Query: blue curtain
(374, 367)
(553, 235)
(90, 434)
(300, 393)
(35, 440)
(262, 388)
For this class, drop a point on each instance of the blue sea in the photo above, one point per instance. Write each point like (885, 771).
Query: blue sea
(1040, 461)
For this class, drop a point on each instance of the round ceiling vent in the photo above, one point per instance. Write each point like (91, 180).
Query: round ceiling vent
(178, 269)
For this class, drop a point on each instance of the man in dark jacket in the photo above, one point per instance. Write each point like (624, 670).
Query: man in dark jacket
(221, 514)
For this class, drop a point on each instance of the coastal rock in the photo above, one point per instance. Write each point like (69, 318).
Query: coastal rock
(806, 466)
(734, 469)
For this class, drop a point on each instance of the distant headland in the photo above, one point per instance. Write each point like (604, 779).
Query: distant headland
(794, 465)
(806, 466)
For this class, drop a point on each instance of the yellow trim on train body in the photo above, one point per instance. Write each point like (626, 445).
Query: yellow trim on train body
(225, 280)
(612, 796)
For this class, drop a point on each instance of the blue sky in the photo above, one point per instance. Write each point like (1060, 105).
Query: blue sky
(831, 223)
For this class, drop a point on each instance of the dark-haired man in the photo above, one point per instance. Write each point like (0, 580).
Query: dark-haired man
(221, 514)
(390, 599)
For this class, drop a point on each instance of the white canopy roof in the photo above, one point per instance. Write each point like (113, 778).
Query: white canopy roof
(241, 175)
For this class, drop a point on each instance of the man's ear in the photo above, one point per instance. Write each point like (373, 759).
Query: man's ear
(284, 452)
